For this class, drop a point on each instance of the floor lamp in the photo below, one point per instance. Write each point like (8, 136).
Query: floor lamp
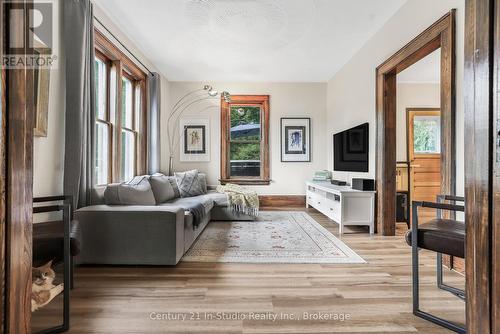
(181, 106)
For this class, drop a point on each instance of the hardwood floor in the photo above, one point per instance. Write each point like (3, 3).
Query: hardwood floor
(376, 297)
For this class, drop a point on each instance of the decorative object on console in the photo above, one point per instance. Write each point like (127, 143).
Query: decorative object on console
(182, 105)
(322, 175)
(363, 184)
(339, 183)
(194, 139)
(295, 139)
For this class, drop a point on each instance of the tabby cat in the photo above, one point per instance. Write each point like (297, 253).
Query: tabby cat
(43, 289)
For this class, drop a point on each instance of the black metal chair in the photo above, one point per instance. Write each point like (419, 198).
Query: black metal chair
(48, 236)
(443, 236)
(57, 241)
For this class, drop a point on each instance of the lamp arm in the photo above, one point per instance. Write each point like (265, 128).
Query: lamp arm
(176, 143)
(177, 108)
(185, 96)
(181, 103)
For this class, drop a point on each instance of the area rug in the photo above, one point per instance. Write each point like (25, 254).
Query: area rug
(275, 237)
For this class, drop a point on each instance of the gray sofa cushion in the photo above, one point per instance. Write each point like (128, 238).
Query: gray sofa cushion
(136, 192)
(187, 202)
(189, 183)
(203, 182)
(218, 198)
(164, 187)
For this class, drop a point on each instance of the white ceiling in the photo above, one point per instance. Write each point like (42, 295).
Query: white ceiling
(427, 70)
(249, 40)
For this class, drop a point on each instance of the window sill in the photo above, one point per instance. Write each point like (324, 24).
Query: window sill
(247, 182)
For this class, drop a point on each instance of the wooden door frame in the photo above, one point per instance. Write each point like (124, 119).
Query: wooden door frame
(17, 179)
(439, 35)
(482, 172)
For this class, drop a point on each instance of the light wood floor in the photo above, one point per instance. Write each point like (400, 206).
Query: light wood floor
(376, 296)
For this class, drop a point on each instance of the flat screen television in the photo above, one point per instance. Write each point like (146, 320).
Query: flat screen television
(350, 149)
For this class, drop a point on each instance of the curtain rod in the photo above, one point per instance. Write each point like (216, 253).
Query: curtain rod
(123, 45)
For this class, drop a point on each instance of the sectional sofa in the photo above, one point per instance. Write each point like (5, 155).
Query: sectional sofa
(157, 233)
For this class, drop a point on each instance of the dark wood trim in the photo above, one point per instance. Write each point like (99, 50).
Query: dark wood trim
(263, 101)
(440, 35)
(479, 173)
(19, 187)
(495, 247)
(280, 201)
(110, 50)
(124, 66)
(3, 174)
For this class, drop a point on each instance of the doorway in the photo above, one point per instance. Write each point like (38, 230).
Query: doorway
(424, 157)
(440, 35)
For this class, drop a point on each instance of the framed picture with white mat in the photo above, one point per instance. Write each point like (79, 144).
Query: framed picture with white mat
(295, 139)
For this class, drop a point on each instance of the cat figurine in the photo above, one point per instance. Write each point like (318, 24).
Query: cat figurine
(43, 289)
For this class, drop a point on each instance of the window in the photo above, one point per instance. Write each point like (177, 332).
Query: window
(102, 125)
(245, 139)
(128, 130)
(120, 122)
(427, 134)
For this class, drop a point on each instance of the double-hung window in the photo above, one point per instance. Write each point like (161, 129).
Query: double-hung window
(245, 139)
(120, 117)
(103, 126)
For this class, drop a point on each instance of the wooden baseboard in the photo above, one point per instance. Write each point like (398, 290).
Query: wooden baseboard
(282, 200)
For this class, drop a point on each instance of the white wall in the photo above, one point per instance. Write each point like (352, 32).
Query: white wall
(351, 92)
(412, 95)
(48, 158)
(286, 100)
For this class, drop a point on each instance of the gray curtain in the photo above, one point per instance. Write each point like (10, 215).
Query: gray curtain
(79, 48)
(154, 123)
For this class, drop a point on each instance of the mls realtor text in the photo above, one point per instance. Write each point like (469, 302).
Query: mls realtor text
(259, 316)
(28, 61)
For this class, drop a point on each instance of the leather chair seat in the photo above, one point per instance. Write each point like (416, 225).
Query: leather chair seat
(444, 236)
(48, 242)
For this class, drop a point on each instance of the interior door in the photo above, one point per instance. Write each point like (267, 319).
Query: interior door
(424, 154)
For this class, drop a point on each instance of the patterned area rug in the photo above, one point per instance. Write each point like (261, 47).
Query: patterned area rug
(275, 237)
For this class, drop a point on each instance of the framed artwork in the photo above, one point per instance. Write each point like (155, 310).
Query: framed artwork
(194, 139)
(295, 139)
(41, 78)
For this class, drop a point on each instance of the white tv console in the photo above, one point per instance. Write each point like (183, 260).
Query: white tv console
(342, 204)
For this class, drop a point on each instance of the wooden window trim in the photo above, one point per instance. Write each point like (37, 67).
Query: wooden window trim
(260, 100)
(124, 66)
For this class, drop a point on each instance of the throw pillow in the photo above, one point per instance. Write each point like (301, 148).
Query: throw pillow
(135, 192)
(164, 187)
(189, 183)
(203, 181)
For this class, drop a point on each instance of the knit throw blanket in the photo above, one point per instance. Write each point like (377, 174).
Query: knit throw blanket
(241, 200)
